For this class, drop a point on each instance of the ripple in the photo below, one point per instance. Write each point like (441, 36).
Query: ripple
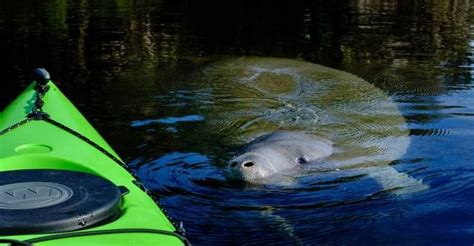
(430, 132)
(168, 120)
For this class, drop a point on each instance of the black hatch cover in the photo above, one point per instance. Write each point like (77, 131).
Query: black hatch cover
(44, 201)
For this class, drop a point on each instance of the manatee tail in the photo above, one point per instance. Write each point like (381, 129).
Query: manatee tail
(396, 182)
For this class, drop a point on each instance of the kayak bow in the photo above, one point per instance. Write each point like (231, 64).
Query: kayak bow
(61, 183)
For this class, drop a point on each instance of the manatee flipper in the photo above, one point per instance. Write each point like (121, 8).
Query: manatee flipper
(400, 183)
(283, 225)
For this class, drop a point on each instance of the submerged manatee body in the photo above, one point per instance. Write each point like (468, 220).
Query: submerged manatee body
(249, 97)
(277, 152)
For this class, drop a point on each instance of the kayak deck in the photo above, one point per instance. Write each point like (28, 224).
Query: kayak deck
(64, 140)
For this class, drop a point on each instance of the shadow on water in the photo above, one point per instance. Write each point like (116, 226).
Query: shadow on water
(136, 61)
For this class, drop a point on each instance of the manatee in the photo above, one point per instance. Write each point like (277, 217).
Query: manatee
(276, 152)
(243, 98)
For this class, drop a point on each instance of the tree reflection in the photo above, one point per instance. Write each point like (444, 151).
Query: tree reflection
(84, 40)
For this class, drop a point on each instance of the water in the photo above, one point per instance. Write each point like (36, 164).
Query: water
(135, 69)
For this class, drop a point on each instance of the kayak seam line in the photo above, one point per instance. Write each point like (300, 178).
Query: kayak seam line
(101, 232)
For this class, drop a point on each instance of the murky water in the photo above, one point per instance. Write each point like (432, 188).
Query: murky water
(165, 84)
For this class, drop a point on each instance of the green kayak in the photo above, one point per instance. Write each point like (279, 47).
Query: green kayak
(62, 184)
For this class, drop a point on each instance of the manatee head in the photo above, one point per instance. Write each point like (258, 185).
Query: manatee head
(260, 164)
(275, 154)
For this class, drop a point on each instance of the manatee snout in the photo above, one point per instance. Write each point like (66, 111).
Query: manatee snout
(249, 167)
(274, 154)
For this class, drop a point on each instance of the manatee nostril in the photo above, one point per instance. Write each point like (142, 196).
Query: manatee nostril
(302, 160)
(233, 164)
(248, 164)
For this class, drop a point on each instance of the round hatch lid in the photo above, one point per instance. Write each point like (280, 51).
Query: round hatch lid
(44, 201)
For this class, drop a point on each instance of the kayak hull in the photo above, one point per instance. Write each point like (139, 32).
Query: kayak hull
(73, 144)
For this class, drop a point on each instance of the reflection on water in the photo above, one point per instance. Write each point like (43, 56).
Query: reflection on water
(168, 120)
(406, 30)
(128, 61)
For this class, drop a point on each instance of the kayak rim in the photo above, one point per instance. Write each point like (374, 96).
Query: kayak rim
(30, 242)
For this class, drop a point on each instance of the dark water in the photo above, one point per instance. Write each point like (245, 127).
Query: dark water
(125, 63)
